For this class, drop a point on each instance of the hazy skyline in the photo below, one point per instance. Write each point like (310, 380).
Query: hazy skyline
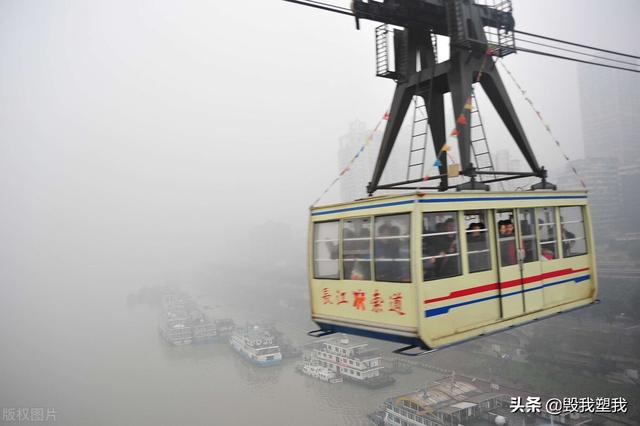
(152, 142)
(143, 137)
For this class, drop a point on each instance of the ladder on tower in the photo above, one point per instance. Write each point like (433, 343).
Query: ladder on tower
(479, 146)
(420, 127)
(419, 133)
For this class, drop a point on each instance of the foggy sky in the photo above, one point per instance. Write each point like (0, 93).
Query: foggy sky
(143, 138)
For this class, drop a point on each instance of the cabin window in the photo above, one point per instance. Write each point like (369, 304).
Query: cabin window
(440, 256)
(546, 217)
(325, 250)
(478, 251)
(356, 248)
(574, 242)
(506, 237)
(527, 221)
(391, 248)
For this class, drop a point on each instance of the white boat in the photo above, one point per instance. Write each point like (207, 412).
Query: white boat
(351, 359)
(175, 330)
(183, 322)
(204, 330)
(256, 345)
(320, 372)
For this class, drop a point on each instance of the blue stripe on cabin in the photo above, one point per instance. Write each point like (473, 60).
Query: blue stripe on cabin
(519, 198)
(450, 200)
(375, 206)
(445, 309)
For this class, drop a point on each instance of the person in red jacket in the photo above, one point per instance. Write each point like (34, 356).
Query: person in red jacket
(507, 243)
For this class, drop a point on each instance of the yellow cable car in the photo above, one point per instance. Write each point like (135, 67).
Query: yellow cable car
(434, 269)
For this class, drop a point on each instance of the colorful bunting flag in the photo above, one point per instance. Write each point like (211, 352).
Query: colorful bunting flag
(539, 114)
(462, 120)
(353, 159)
(445, 148)
(437, 163)
(455, 132)
(468, 106)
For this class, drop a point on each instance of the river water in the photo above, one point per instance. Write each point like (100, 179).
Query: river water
(95, 361)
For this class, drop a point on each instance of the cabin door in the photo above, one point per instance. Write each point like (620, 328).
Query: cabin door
(528, 257)
(510, 285)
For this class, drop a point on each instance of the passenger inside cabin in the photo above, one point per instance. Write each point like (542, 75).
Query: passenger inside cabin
(442, 251)
(477, 247)
(349, 257)
(429, 267)
(547, 240)
(436, 242)
(401, 263)
(476, 235)
(332, 248)
(355, 251)
(509, 227)
(502, 228)
(547, 254)
(568, 241)
(387, 250)
(449, 243)
(450, 265)
(528, 241)
(507, 243)
(358, 271)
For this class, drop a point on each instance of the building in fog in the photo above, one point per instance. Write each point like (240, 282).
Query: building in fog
(506, 160)
(610, 107)
(630, 185)
(354, 183)
(602, 178)
(614, 196)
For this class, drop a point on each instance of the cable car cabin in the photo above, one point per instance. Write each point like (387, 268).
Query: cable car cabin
(434, 269)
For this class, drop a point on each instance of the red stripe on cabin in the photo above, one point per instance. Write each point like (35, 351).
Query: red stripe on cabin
(505, 284)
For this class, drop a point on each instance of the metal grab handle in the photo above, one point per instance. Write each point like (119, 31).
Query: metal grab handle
(405, 351)
(320, 333)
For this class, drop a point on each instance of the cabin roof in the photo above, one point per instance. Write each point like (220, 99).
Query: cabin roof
(417, 195)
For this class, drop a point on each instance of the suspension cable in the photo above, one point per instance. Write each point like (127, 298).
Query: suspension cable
(546, 126)
(552, 55)
(635, 64)
(577, 44)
